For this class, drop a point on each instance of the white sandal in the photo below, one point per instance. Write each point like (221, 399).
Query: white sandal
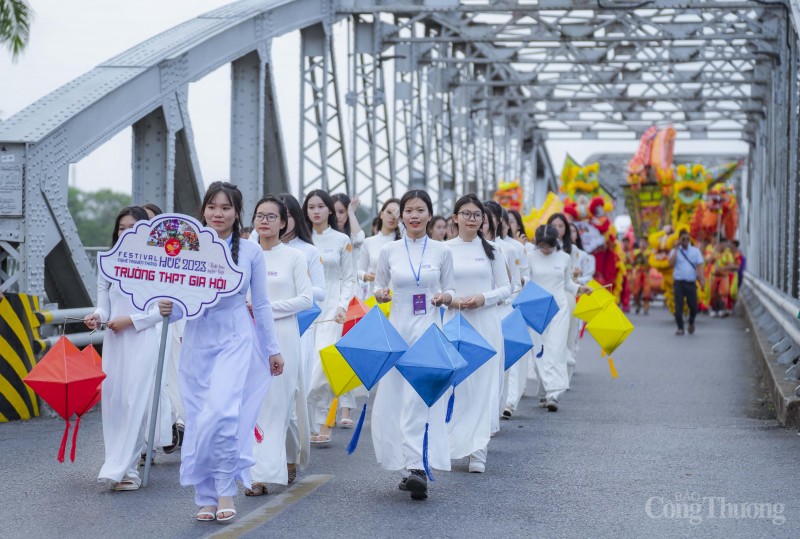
(223, 519)
(211, 514)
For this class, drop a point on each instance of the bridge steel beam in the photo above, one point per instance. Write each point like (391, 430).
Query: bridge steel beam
(145, 88)
(478, 89)
(372, 153)
(323, 156)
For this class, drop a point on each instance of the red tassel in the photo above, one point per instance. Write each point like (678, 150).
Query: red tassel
(583, 330)
(74, 439)
(63, 448)
(259, 434)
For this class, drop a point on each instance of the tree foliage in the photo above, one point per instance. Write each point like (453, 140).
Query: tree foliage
(16, 17)
(94, 214)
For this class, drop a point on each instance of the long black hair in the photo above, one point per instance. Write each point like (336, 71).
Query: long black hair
(328, 201)
(296, 212)
(472, 199)
(282, 212)
(505, 225)
(514, 214)
(566, 240)
(235, 198)
(497, 212)
(578, 240)
(136, 212)
(490, 222)
(344, 200)
(380, 221)
(546, 234)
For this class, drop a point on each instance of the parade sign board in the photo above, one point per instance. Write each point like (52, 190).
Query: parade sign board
(172, 257)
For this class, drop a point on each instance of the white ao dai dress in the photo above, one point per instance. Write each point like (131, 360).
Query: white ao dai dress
(398, 412)
(477, 398)
(130, 358)
(368, 257)
(553, 273)
(224, 378)
(340, 279)
(289, 289)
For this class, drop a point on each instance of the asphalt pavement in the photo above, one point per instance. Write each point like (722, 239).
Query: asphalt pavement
(681, 444)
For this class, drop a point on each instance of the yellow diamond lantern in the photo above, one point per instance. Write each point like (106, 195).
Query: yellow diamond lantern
(340, 376)
(610, 327)
(589, 305)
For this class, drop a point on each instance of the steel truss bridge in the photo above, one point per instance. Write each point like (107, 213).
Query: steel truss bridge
(444, 95)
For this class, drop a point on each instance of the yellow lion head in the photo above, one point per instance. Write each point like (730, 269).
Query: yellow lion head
(579, 180)
(691, 185)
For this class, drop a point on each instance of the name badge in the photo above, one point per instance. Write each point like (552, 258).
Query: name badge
(419, 304)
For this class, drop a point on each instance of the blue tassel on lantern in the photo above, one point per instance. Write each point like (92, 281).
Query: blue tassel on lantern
(357, 433)
(541, 352)
(425, 455)
(450, 403)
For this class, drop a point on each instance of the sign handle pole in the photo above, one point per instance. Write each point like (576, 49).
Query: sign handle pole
(156, 397)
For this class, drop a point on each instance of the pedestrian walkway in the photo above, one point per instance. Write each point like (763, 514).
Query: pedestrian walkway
(621, 458)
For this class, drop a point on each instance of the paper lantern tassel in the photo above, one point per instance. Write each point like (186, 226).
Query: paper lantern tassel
(351, 447)
(330, 421)
(612, 368)
(425, 463)
(74, 439)
(259, 434)
(63, 448)
(541, 352)
(450, 403)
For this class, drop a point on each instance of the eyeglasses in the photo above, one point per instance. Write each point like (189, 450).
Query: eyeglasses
(471, 216)
(270, 217)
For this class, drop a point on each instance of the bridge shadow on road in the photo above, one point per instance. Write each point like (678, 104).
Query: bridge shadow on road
(680, 444)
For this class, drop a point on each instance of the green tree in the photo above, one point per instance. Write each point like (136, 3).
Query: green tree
(16, 17)
(94, 213)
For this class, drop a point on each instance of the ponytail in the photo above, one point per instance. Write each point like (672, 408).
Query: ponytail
(235, 242)
(487, 247)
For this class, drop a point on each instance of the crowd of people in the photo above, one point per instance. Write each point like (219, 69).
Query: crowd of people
(245, 398)
(716, 264)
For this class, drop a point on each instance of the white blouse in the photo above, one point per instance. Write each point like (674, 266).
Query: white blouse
(340, 271)
(288, 283)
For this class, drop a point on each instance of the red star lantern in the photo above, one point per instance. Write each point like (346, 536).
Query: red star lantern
(67, 379)
(356, 310)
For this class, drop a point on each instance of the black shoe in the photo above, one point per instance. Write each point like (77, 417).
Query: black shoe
(552, 405)
(143, 458)
(417, 485)
(177, 438)
(506, 414)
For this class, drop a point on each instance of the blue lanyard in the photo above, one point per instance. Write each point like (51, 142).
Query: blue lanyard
(417, 274)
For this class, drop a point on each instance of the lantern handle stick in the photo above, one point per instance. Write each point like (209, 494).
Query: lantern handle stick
(156, 397)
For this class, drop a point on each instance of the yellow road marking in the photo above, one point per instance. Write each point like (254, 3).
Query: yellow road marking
(258, 517)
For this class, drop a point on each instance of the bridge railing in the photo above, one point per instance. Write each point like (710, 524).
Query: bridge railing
(775, 314)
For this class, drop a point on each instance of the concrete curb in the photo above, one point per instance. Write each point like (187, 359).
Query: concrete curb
(787, 404)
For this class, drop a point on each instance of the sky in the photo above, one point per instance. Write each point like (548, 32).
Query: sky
(70, 38)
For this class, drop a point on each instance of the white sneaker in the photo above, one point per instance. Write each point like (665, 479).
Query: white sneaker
(476, 466)
(713, 314)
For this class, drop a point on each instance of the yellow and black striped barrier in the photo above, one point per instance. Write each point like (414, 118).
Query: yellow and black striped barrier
(19, 335)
